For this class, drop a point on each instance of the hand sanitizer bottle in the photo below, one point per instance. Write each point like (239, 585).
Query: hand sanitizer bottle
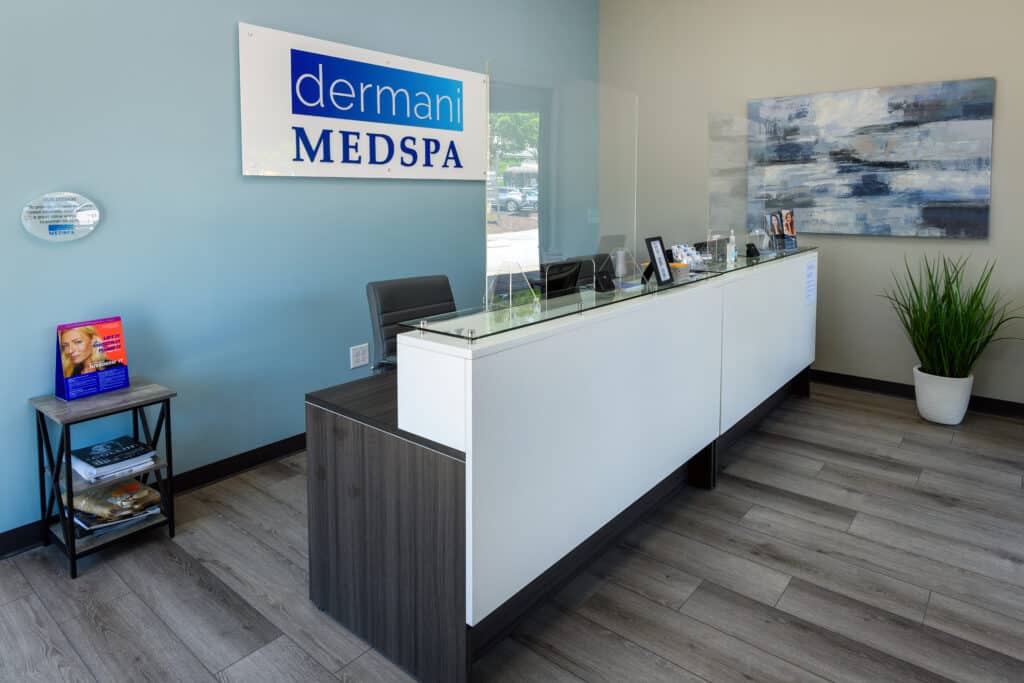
(730, 254)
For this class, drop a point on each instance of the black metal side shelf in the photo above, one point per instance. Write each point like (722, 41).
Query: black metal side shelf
(55, 465)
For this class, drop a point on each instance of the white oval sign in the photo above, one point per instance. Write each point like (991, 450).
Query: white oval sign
(60, 217)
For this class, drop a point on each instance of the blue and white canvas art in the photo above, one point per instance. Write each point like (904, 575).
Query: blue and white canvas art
(911, 161)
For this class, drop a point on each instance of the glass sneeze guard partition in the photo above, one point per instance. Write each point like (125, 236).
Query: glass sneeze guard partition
(472, 324)
(561, 183)
(561, 195)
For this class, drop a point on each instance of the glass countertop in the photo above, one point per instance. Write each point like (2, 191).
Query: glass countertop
(471, 324)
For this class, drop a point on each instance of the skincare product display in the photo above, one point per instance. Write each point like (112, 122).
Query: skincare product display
(684, 253)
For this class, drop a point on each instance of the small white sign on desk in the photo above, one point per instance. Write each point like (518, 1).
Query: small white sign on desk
(811, 282)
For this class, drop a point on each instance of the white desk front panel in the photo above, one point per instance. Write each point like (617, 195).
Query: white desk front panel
(568, 431)
(768, 331)
(565, 424)
(432, 394)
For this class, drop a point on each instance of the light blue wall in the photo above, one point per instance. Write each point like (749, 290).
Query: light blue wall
(240, 293)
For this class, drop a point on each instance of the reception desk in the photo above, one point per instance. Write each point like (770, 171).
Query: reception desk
(512, 445)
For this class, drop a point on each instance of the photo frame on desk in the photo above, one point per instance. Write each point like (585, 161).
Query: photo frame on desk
(659, 262)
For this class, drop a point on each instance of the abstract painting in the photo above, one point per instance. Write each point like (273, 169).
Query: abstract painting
(909, 161)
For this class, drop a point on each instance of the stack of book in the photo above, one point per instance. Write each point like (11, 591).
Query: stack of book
(112, 459)
(114, 507)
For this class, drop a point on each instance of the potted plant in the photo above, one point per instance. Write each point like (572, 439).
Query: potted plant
(949, 324)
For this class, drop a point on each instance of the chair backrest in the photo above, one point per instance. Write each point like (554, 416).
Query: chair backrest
(603, 263)
(393, 301)
(561, 278)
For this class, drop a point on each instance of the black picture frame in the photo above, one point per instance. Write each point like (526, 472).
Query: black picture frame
(659, 262)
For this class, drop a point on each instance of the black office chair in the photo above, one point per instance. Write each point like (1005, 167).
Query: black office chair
(394, 301)
(561, 279)
(602, 262)
(591, 264)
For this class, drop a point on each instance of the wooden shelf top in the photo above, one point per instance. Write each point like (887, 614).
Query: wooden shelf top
(141, 392)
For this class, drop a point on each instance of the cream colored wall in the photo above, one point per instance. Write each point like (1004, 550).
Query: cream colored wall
(688, 58)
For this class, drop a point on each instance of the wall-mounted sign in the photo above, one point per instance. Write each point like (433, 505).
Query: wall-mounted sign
(311, 107)
(60, 217)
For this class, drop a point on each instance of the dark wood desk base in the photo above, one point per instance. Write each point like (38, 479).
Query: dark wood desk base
(387, 543)
(387, 530)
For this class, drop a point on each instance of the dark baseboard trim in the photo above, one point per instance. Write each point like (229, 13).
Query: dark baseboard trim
(28, 536)
(877, 386)
(215, 471)
(14, 541)
(981, 404)
(996, 406)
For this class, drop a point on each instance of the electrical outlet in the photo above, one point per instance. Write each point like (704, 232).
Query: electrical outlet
(358, 356)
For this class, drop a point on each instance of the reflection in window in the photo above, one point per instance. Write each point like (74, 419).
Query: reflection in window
(513, 192)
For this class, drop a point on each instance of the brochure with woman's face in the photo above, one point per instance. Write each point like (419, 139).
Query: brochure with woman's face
(782, 224)
(91, 358)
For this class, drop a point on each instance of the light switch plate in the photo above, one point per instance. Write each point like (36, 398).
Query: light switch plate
(358, 356)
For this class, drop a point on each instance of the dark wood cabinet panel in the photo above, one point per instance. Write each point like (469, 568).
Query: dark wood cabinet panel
(387, 542)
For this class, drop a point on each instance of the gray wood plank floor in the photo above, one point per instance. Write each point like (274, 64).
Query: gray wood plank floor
(848, 540)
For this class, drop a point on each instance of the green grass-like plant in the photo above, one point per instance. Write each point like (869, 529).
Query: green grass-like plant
(949, 323)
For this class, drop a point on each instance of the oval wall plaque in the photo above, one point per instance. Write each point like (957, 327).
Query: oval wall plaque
(60, 217)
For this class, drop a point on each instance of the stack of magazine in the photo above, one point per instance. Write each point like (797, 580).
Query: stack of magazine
(110, 508)
(113, 506)
(111, 459)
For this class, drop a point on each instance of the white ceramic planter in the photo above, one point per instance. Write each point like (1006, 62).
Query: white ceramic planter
(942, 399)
